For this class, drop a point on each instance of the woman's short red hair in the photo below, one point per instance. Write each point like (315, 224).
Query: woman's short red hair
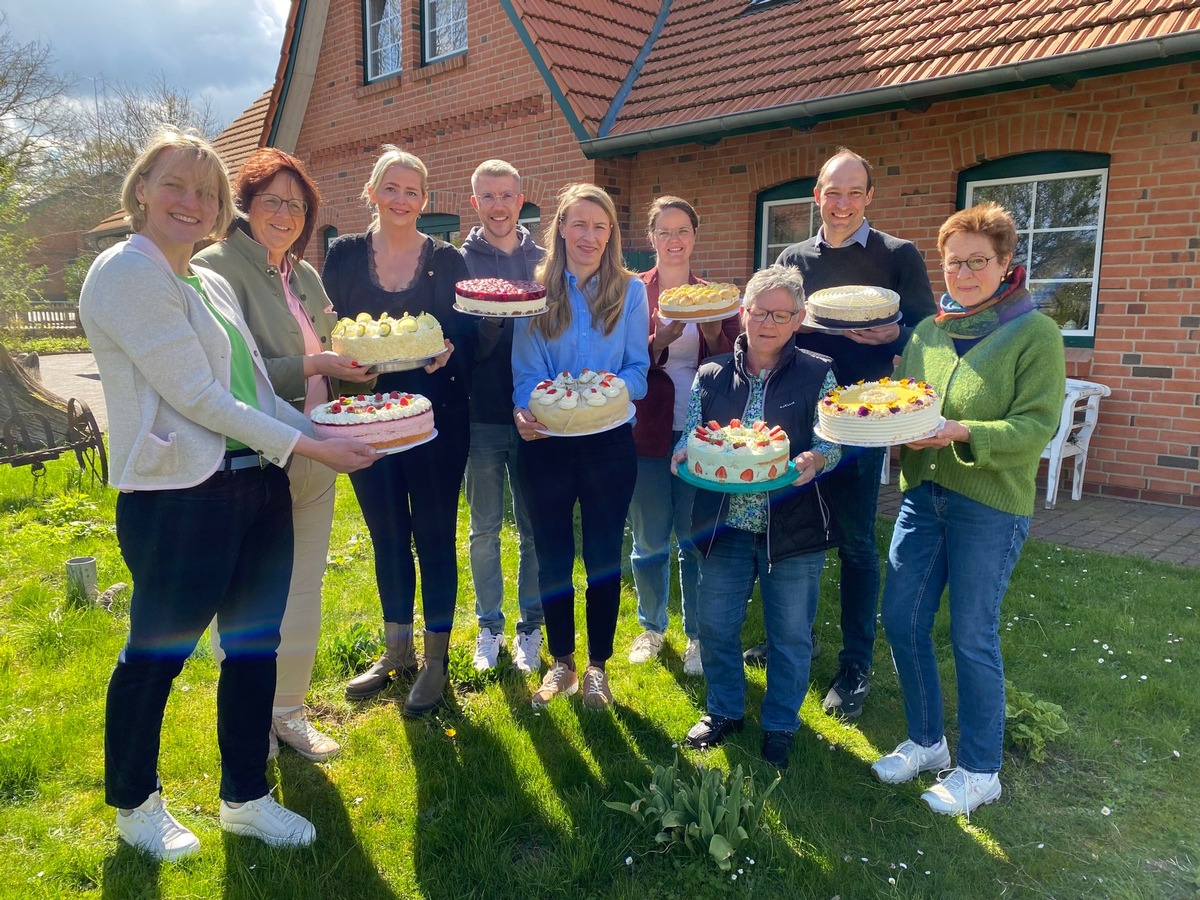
(259, 170)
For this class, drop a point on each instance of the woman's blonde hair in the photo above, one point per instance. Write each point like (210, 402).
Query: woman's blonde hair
(392, 156)
(605, 291)
(207, 164)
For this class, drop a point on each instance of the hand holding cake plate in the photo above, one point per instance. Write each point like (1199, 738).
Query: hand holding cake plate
(405, 365)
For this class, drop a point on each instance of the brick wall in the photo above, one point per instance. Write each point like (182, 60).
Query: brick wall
(492, 101)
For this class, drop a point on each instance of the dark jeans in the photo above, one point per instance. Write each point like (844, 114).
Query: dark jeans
(597, 471)
(853, 489)
(222, 548)
(411, 499)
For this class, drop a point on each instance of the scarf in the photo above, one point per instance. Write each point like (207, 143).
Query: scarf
(1010, 301)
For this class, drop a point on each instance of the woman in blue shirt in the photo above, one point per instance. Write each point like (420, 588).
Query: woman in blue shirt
(597, 318)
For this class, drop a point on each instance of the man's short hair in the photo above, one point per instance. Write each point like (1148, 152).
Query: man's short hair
(843, 152)
(495, 168)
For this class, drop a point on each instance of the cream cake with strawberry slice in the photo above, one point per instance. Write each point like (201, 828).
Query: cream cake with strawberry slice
(500, 297)
(583, 404)
(737, 452)
(382, 420)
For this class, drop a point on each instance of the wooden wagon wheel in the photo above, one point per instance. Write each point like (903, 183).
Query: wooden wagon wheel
(83, 434)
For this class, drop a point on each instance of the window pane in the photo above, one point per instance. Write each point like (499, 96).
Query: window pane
(383, 37)
(1068, 201)
(1016, 198)
(790, 223)
(445, 27)
(1064, 254)
(1070, 305)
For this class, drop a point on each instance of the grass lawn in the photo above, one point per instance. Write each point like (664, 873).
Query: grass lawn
(491, 799)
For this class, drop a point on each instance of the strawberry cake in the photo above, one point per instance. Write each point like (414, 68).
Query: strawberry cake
(737, 452)
(583, 404)
(879, 413)
(367, 340)
(500, 297)
(699, 301)
(381, 420)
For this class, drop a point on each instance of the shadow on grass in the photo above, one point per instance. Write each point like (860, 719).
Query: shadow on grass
(130, 874)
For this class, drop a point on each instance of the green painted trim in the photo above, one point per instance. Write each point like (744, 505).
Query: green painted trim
(438, 222)
(788, 120)
(560, 98)
(1030, 165)
(1079, 341)
(797, 189)
(287, 73)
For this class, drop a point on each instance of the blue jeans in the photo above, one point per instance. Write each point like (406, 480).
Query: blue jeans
(493, 458)
(942, 538)
(223, 547)
(853, 489)
(789, 589)
(662, 504)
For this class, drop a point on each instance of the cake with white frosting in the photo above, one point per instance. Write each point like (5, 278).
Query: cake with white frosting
(500, 297)
(381, 420)
(737, 452)
(877, 413)
(368, 340)
(699, 301)
(852, 306)
(575, 404)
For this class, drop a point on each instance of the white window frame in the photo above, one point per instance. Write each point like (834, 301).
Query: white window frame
(430, 27)
(765, 256)
(389, 16)
(1027, 232)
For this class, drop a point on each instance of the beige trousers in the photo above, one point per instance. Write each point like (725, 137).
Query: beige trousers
(312, 488)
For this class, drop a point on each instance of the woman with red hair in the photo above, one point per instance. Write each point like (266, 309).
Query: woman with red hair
(290, 317)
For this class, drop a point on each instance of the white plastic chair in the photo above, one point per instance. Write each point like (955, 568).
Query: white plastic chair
(1080, 412)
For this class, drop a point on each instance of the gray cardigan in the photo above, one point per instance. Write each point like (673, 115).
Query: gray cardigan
(164, 363)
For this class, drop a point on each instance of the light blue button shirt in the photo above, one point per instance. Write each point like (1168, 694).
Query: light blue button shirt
(624, 352)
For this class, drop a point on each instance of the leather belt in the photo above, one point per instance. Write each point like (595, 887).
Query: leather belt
(242, 459)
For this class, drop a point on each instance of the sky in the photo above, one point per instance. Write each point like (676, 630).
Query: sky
(225, 50)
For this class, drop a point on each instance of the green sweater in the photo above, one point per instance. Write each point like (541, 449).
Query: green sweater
(1008, 390)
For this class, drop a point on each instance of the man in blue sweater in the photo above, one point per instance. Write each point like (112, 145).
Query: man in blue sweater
(847, 250)
(499, 248)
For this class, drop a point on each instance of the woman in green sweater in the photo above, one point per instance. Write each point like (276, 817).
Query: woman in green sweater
(969, 493)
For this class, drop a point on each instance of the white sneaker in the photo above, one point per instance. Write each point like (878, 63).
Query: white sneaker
(692, 664)
(906, 761)
(645, 647)
(151, 828)
(961, 791)
(269, 822)
(298, 732)
(487, 649)
(527, 651)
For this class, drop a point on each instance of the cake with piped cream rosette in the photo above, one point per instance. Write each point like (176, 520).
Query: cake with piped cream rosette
(852, 306)
(500, 297)
(381, 420)
(368, 340)
(699, 301)
(578, 404)
(737, 452)
(876, 413)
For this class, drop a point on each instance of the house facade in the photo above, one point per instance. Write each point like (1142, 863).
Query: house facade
(1082, 118)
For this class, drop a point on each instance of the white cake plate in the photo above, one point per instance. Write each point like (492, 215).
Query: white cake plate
(388, 451)
(628, 418)
(817, 431)
(702, 320)
(500, 315)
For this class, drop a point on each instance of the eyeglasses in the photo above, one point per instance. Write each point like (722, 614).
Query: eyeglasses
(507, 198)
(674, 233)
(272, 203)
(781, 316)
(974, 263)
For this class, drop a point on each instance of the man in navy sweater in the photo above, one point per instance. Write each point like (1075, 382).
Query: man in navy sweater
(498, 247)
(847, 250)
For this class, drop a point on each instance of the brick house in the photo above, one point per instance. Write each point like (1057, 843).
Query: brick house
(1082, 117)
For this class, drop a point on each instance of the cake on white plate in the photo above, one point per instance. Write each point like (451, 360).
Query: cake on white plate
(383, 420)
(877, 413)
(579, 404)
(699, 301)
(500, 297)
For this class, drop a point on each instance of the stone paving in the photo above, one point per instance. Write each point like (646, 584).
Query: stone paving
(1148, 530)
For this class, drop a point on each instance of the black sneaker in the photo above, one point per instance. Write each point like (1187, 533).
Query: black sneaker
(847, 691)
(756, 656)
(711, 730)
(776, 747)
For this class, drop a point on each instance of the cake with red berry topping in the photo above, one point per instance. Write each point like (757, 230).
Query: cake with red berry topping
(582, 404)
(500, 297)
(381, 420)
(879, 413)
(737, 452)
(367, 340)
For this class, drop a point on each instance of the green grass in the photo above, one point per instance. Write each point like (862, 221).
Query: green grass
(490, 799)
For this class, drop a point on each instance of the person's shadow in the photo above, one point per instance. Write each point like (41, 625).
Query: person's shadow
(130, 874)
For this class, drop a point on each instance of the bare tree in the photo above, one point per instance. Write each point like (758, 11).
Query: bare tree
(31, 101)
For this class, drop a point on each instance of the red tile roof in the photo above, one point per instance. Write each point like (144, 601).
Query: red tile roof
(724, 58)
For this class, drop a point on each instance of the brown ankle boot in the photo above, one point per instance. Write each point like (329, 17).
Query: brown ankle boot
(428, 691)
(400, 657)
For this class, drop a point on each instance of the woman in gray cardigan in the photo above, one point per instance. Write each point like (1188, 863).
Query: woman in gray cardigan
(290, 316)
(197, 440)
